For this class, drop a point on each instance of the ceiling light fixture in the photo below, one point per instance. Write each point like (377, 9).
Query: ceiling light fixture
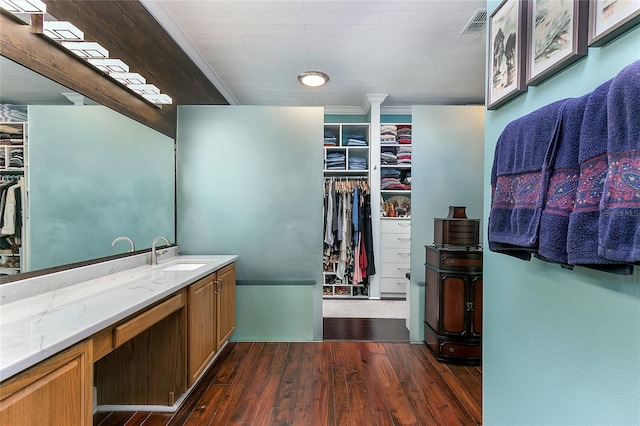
(62, 31)
(313, 78)
(86, 49)
(23, 6)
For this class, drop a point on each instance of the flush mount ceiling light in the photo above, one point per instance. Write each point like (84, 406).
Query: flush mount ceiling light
(23, 6)
(86, 49)
(109, 65)
(313, 78)
(62, 31)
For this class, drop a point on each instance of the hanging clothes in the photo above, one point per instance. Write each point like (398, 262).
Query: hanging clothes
(348, 241)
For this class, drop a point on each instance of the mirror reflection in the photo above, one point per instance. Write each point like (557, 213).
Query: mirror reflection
(76, 177)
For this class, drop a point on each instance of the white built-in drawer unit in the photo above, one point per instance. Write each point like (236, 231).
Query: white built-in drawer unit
(395, 253)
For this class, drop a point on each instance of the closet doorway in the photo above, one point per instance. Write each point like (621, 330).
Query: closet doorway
(348, 312)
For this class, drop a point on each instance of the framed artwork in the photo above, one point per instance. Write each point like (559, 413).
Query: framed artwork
(506, 76)
(610, 18)
(557, 36)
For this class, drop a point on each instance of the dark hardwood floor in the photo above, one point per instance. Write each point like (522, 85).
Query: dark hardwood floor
(333, 382)
(373, 329)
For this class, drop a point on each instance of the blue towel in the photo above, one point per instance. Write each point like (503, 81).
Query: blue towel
(582, 247)
(619, 225)
(519, 181)
(563, 182)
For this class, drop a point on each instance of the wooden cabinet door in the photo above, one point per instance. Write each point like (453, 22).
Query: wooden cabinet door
(226, 303)
(55, 392)
(476, 299)
(202, 325)
(453, 313)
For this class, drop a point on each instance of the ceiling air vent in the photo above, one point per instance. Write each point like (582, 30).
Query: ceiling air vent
(477, 23)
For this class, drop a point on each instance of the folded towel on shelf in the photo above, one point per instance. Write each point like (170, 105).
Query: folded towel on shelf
(519, 181)
(564, 172)
(619, 222)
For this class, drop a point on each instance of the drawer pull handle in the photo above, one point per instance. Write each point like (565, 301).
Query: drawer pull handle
(404, 224)
(404, 240)
(404, 269)
(451, 350)
(404, 254)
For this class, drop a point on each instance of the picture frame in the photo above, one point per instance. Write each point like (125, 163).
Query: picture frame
(557, 36)
(610, 18)
(507, 40)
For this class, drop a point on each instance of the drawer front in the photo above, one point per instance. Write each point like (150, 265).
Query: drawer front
(460, 350)
(393, 285)
(398, 226)
(394, 270)
(452, 260)
(395, 255)
(137, 325)
(396, 241)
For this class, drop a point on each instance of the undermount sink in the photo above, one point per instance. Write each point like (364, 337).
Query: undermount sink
(183, 267)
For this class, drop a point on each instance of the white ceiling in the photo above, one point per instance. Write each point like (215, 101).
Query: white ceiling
(253, 51)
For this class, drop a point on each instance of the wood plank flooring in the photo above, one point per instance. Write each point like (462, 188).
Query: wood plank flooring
(324, 383)
(373, 329)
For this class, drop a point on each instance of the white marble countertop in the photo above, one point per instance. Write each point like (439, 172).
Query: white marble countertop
(37, 327)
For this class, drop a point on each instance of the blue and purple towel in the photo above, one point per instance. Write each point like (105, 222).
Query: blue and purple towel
(519, 181)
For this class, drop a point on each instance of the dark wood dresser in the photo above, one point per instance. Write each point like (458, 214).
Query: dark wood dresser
(453, 302)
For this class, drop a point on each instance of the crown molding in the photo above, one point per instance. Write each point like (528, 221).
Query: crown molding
(396, 110)
(156, 10)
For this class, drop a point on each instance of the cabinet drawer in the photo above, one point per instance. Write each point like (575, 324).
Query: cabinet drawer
(395, 255)
(395, 241)
(396, 226)
(395, 270)
(393, 285)
(137, 325)
(451, 349)
(451, 260)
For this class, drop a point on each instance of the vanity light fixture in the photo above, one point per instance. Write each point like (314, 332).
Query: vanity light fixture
(62, 31)
(144, 89)
(128, 78)
(67, 35)
(109, 65)
(23, 6)
(313, 78)
(86, 49)
(160, 98)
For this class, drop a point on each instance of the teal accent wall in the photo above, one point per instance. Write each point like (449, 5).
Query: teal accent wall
(560, 347)
(250, 183)
(395, 118)
(447, 165)
(95, 175)
(337, 118)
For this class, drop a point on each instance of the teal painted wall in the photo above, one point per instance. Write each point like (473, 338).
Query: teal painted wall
(94, 175)
(447, 165)
(560, 347)
(250, 183)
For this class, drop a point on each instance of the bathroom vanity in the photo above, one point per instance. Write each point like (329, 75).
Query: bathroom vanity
(130, 339)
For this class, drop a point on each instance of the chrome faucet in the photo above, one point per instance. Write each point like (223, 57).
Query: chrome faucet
(133, 246)
(154, 252)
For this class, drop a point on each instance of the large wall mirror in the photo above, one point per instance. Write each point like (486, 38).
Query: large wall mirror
(90, 175)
